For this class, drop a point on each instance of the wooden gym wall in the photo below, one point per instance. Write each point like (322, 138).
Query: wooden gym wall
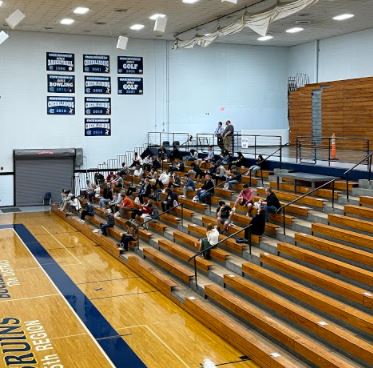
(347, 109)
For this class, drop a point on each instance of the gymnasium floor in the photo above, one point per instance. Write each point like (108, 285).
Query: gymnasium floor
(66, 302)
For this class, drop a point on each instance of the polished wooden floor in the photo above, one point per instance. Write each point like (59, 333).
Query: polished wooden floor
(159, 332)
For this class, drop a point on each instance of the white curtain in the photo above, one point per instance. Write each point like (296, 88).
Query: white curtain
(259, 23)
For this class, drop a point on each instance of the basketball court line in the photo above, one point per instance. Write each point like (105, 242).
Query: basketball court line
(119, 278)
(96, 325)
(67, 250)
(129, 294)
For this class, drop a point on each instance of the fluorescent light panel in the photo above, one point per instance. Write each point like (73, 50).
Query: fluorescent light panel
(67, 21)
(81, 10)
(1, 2)
(3, 37)
(156, 16)
(265, 38)
(295, 30)
(343, 16)
(137, 27)
(190, 1)
(15, 18)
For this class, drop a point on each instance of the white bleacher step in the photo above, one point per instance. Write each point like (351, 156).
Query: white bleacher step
(268, 244)
(338, 208)
(362, 192)
(288, 237)
(352, 199)
(302, 226)
(317, 216)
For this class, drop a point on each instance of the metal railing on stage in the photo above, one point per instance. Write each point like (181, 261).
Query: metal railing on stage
(168, 140)
(345, 149)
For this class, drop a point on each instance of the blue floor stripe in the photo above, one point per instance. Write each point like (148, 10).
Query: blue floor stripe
(114, 346)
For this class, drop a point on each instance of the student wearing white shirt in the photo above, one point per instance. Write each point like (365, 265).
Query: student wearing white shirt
(212, 238)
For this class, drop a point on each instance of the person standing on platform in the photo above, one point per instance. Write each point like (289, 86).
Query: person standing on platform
(228, 136)
(219, 135)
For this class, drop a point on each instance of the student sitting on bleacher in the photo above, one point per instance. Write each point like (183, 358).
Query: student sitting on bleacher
(258, 223)
(212, 238)
(110, 221)
(138, 171)
(124, 171)
(220, 174)
(156, 165)
(148, 163)
(245, 199)
(193, 155)
(110, 177)
(87, 210)
(74, 206)
(164, 178)
(66, 196)
(239, 162)
(126, 206)
(189, 185)
(210, 155)
(129, 236)
(107, 195)
(271, 204)
(115, 202)
(175, 154)
(196, 170)
(145, 212)
(162, 153)
(258, 165)
(171, 200)
(145, 190)
(205, 193)
(223, 216)
(234, 177)
(136, 161)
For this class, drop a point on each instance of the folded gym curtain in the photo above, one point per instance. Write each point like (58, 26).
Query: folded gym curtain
(259, 23)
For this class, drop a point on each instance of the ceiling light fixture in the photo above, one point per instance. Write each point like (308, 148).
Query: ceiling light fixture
(3, 37)
(295, 30)
(81, 10)
(160, 24)
(137, 27)
(156, 16)
(1, 2)
(343, 16)
(229, 1)
(67, 21)
(15, 18)
(265, 38)
(190, 1)
(122, 42)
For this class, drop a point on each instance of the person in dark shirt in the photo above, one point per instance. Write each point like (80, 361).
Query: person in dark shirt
(198, 172)
(156, 164)
(162, 153)
(107, 195)
(88, 210)
(145, 190)
(171, 200)
(175, 154)
(110, 221)
(258, 224)
(223, 216)
(129, 236)
(239, 161)
(271, 204)
(205, 193)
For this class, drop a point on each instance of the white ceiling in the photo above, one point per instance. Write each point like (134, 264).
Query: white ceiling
(116, 16)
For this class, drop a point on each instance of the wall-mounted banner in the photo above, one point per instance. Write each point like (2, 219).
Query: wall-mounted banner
(97, 85)
(61, 105)
(60, 62)
(96, 63)
(61, 83)
(130, 65)
(97, 106)
(130, 86)
(97, 127)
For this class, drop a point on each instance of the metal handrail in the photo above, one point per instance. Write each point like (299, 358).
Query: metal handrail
(283, 208)
(346, 173)
(194, 257)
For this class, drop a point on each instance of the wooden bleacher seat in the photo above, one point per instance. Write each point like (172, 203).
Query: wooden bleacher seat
(351, 222)
(356, 255)
(361, 212)
(361, 240)
(246, 340)
(150, 274)
(331, 284)
(288, 197)
(366, 201)
(187, 214)
(293, 209)
(200, 207)
(297, 315)
(193, 242)
(294, 340)
(327, 263)
(341, 185)
(168, 264)
(323, 303)
(322, 193)
(183, 253)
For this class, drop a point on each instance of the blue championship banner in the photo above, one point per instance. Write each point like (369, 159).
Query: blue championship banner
(97, 106)
(97, 85)
(130, 65)
(130, 86)
(60, 62)
(61, 105)
(96, 63)
(97, 127)
(61, 83)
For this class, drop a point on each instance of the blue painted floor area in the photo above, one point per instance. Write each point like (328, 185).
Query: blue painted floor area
(111, 342)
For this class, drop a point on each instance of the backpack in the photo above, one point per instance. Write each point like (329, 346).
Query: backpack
(47, 198)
